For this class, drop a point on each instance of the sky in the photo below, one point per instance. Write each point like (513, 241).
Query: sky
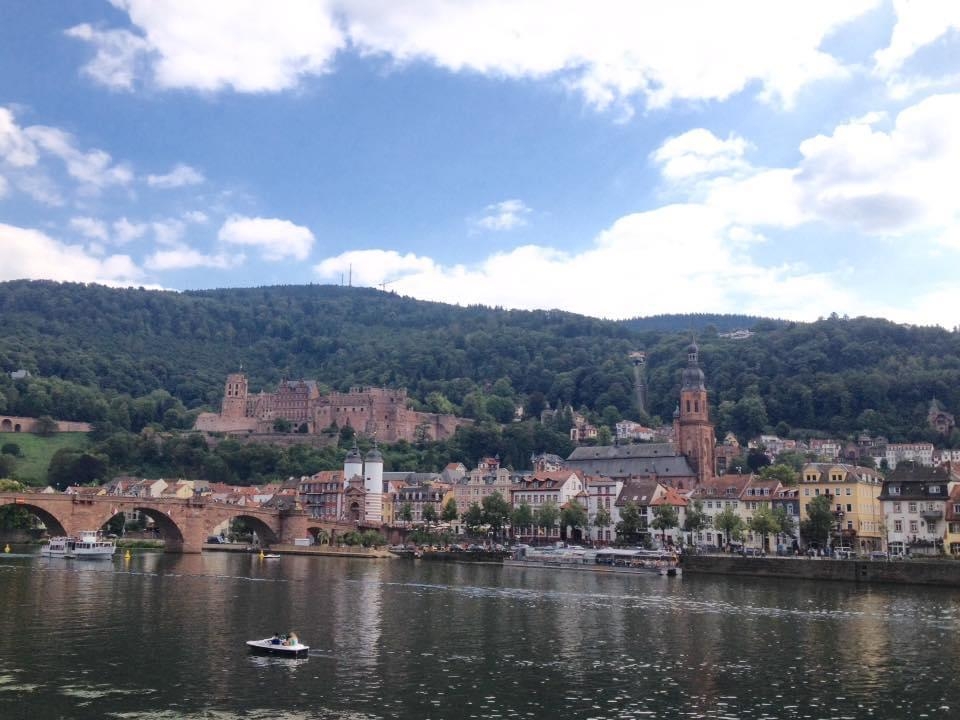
(615, 159)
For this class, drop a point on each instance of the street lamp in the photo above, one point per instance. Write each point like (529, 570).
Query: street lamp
(839, 514)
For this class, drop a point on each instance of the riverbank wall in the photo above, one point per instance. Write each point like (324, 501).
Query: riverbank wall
(942, 573)
(317, 550)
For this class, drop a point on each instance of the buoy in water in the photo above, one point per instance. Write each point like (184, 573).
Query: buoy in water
(126, 555)
(261, 554)
(6, 548)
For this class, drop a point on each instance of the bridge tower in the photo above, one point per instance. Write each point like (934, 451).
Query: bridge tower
(373, 485)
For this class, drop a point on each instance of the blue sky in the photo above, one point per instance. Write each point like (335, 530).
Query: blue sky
(616, 159)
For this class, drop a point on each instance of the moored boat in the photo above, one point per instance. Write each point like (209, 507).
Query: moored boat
(615, 560)
(281, 645)
(88, 545)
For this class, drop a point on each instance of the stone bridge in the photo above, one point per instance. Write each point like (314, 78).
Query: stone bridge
(183, 524)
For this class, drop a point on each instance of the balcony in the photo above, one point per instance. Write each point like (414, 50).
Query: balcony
(932, 515)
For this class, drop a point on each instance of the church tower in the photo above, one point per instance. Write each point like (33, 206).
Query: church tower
(235, 396)
(693, 431)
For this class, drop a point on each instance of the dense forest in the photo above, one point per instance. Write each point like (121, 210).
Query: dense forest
(130, 359)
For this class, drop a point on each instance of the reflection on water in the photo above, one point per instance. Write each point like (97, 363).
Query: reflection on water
(163, 637)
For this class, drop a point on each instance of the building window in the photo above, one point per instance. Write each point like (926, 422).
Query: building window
(912, 507)
(913, 526)
(849, 507)
(848, 491)
(898, 526)
(934, 489)
(896, 507)
(806, 492)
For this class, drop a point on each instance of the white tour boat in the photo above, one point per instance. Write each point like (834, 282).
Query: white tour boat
(88, 545)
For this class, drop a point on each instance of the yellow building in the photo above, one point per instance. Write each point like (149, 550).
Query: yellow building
(854, 498)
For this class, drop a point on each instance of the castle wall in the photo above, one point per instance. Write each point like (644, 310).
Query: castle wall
(373, 412)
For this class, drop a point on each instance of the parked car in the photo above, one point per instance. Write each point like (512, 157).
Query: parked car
(216, 540)
(878, 555)
(752, 552)
(844, 553)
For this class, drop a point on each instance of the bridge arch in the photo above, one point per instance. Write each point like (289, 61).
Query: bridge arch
(50, 521)
(265, 534)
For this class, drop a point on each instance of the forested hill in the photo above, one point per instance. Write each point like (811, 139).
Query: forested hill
(834, 375)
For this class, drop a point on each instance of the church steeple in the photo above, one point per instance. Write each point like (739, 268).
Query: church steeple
(693, 430)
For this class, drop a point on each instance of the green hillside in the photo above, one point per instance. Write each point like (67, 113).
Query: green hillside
(35, 453)
(134, 357)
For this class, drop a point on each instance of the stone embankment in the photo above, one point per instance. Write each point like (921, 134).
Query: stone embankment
(286, 549)
(943, 573)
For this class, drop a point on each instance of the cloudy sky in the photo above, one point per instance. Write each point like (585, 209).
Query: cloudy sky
(617, 159)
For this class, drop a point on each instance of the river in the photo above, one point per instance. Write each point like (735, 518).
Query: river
(162, 636)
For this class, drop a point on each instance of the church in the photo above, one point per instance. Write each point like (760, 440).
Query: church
(687, 462)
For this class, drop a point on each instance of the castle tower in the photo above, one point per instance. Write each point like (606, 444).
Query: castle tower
(639, 360)
(235, 396)
(373, 484)
(693, 430)
(352, 465)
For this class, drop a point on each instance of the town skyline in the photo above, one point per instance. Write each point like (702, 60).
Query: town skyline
(453, 154)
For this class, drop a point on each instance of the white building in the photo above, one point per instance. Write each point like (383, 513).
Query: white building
(602, 492)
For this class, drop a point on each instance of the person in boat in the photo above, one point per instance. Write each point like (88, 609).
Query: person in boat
(275, 640)
(292, 638)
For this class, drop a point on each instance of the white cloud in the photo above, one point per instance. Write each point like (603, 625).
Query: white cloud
(124, 231)
(16, 149)
(609, 52)
(675, 246)
(505, 215)
(29, 253)
(90, 228)
(373, 267)
(3, 186)
(918, 24)
(277, 239)
(180, 257)
(246, 45)
(887, 182)
(179, 176)
(120, 54)
(93, 168)
(699, 152)
(196, 216)
(168, 232)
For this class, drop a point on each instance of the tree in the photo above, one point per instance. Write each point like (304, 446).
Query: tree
(429, 514)
(473, 517)
(45, 426)
(757, 458)
(496, 512)
(602, 519)
(696, 520)
(547, 516)
(785, 523)
(816, 528)
(729, 523)
(630, 525)
(665, 518)
(10, 448)
(282, 425)
(785, 474)
(521, 517)
(406, 512)
(7, 463)
(450, 512)
(574, 515)
(764, 523)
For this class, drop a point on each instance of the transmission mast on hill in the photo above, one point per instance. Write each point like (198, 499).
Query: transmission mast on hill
(639, 360)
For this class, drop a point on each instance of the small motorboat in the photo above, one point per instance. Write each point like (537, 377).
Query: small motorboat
(280, 645)
(271, 556)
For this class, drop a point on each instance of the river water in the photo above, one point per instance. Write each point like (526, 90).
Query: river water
(162, 636)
